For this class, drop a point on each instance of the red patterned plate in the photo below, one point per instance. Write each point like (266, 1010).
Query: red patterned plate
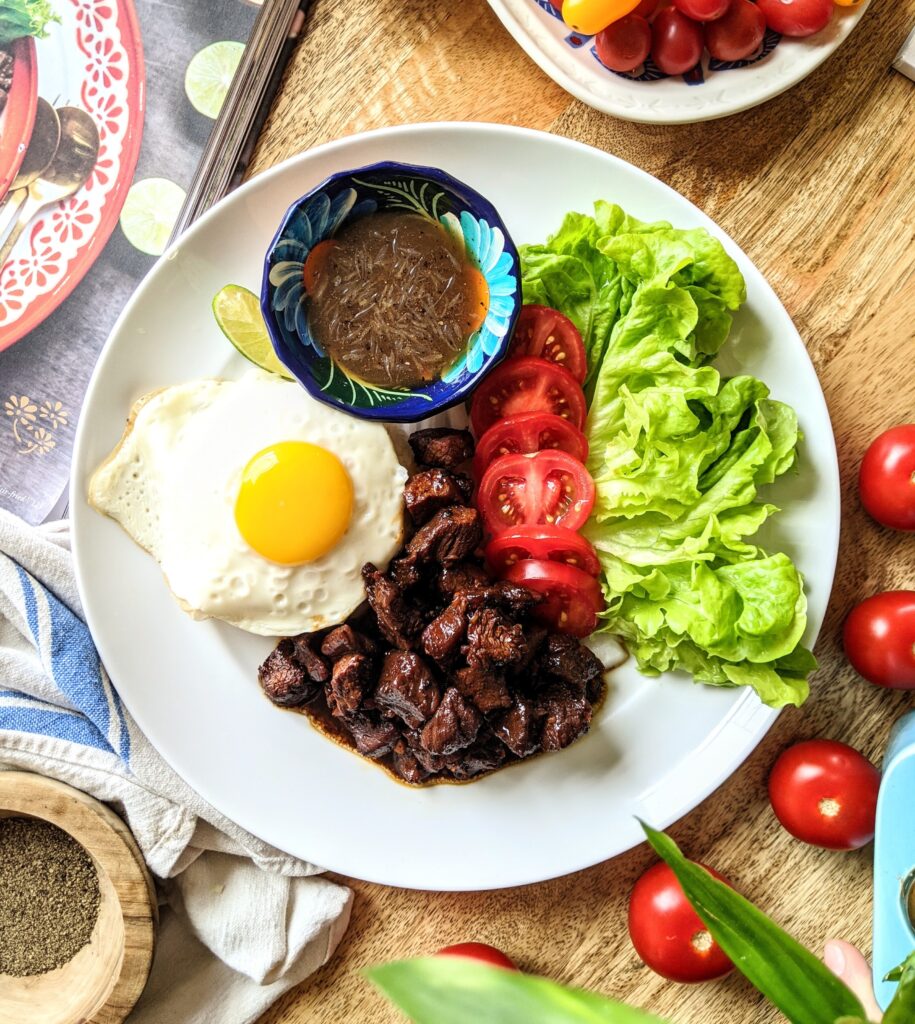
(19, 113)
(93, 60)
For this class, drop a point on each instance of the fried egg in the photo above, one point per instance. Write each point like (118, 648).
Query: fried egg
(259, 503)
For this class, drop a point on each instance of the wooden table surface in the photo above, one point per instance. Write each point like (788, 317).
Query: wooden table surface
(818, 188)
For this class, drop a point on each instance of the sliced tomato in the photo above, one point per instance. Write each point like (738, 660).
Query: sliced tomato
(528, 384)
(571, 598)
(526, 490)
(546, 543)
(545, 332)
(526, 433)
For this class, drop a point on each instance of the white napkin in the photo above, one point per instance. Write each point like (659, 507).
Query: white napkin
(241, 922)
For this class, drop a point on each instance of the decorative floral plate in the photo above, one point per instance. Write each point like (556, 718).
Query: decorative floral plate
(93, 59)
(343, 199)
(18, 114)
(714, 89)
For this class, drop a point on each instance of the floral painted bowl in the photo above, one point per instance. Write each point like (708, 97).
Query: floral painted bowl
(344, 198)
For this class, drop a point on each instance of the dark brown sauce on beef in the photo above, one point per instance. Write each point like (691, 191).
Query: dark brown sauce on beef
(394, 299)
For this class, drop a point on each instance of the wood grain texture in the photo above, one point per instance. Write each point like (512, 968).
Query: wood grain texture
(818, 187)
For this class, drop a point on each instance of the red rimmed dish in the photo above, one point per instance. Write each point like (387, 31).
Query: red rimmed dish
(18, 115)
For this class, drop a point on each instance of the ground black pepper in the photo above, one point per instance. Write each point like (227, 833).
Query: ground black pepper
(49, 897)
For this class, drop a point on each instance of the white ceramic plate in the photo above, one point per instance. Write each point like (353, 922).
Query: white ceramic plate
(656, 749)
(570, 59)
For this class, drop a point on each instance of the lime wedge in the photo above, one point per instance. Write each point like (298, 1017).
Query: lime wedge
(149, 214)
(210, 74)
(238, 314)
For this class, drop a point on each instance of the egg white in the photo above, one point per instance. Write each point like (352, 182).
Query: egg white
(173, 479)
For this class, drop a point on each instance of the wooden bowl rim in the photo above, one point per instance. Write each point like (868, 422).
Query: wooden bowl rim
(24, 793)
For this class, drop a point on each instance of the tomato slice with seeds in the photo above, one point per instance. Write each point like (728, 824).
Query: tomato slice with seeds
(528, 384)
(526, 490)
(526, 433)
(545, 332)
(571, 598)
(546, 543)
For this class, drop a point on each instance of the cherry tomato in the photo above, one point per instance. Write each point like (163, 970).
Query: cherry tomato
(887, 478)
(646, 9)
(570, 598)
(545, 332)
(590, 16)
(545, 542)
(879, 639)
(825, 793)
(668, 934)
(526, 433)
(738, 33)
(702, 10)
(624, 44)
(676, 41)
(480, 951)
(526, 490)
(527, 384)
(796, 17)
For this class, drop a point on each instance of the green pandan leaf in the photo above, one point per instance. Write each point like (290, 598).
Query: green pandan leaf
(786, 973)
(451, 990)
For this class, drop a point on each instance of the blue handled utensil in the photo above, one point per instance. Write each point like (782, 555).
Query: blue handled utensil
(894, 858)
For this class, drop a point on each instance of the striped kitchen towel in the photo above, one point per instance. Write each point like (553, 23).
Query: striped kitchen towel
(241, 922)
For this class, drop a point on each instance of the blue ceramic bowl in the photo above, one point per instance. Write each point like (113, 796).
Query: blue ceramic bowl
(344, 198)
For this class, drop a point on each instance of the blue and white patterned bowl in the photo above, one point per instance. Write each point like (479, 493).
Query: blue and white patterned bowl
(344, 198)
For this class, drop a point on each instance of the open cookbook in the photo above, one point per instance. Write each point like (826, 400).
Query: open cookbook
(120, 122)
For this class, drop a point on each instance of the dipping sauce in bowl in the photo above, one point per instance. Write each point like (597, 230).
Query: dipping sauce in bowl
(394, 298)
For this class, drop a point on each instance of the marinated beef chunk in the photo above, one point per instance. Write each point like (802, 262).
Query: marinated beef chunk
(346, 640)
(483, 686)
(518, 728)
(434, 764)
(534, 636)
(448, 537)
(566, 716)
(283, 679)
(486, 755)
(463, 576)
(565, 658)
(442, 447)
(493, 639)
(316, 667)
(398, 622)
(453, 726)
(443, 637)
(510, 597)
(429, 491)
(373, 738)
(405, 572)
(352, 679)
(405, 764)
(407, 688)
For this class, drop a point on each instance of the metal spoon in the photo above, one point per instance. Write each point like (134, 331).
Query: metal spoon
(67, 173)
(42, 147)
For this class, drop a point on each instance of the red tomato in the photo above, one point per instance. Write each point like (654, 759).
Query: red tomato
(676, 41)
(548, 543)
(668, 934)
(528, 384)
(646, 9)
(525, 490)
(796, 17)
(526, 433)
(545, 332)
(480, 951)
(879, 639)
(556, 5)
(570, 598)
(702, 10)
(624, 44)
(738, 33)
(825, 793)
(887, 478)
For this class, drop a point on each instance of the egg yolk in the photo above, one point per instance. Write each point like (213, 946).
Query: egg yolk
(294, 503)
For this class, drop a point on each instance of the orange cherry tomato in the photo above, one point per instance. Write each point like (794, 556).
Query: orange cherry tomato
(849, 3)
(590, 16)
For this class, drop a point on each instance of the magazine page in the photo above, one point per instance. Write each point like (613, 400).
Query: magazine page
(107, 108)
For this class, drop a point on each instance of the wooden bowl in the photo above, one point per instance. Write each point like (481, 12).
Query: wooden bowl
(101, 984)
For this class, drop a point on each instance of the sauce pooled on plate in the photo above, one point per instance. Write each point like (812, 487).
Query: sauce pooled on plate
(394, 299)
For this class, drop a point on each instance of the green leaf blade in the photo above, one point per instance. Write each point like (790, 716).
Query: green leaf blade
(902, 1006)
(453, 990)
(786, 973)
